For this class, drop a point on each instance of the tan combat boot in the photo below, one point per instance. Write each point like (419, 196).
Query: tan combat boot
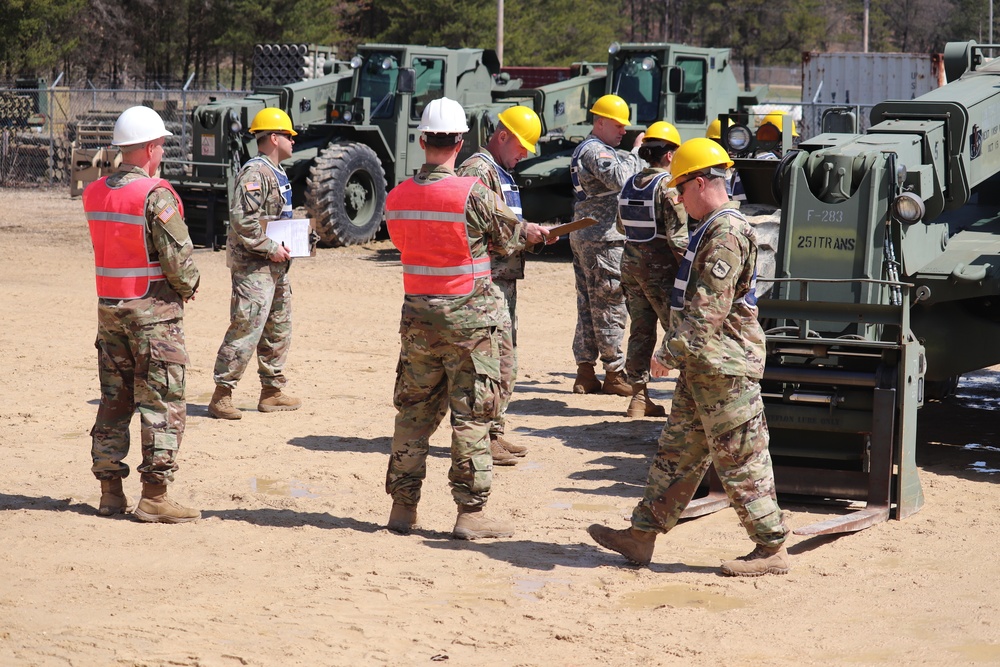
(155, 507)
(635, 545)
(221, 406)
(402, 518)
(641, 405)
(614, 383)
(586, 382)
(501, 457)
(113, 500)
(516, 450)
(762, 560)
(472, 525)
(272, 400)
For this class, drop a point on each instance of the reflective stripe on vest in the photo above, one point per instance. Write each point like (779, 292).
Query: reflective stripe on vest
(284, 185)
(511, 193)
(117, 221)
(684, 271)
(574, 173)
(427, 223)
(637, 209)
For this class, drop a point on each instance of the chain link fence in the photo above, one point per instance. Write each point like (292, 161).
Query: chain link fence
(49, 135)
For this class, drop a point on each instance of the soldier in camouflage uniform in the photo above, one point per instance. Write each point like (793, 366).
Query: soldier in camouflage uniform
(145, 273)
(598, 172)
(516, 134)
(449, 356)
(717, 416)
(260, 309)
(655, 228)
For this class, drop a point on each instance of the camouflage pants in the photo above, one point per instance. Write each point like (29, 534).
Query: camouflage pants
(141, 365)
(260, 318)
(600, 303)
(718, 420)
(457, 369)
(508, 352)
(648, 272)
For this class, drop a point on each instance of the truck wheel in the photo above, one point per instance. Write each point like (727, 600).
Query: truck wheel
(345, 193)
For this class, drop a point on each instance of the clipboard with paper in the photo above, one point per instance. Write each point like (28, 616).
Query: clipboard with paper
(293, 233)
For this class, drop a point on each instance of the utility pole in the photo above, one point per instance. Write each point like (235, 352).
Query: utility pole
(500, 31)
(867, 6)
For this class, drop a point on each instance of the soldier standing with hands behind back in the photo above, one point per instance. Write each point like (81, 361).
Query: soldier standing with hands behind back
(260, 309)
(598, 172)
(145, 273)
(517, 133)
(717, 414)
(449, 359)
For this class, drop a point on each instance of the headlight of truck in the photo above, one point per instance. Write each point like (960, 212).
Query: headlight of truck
(909, 208)
(357, 61)
(614, 48)
(234, 123)
(738, 137)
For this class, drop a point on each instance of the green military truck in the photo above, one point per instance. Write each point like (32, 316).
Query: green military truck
(687, 86)
(358, 124)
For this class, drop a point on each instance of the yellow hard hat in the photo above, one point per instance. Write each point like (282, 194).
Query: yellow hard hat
(272, 119)
(524, 124)
(696, 155)
(663, 131)
(611, 106)
(715, 128)
(774, 118)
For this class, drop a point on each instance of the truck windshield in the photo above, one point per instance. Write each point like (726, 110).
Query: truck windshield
(637, 81)
(377, 81)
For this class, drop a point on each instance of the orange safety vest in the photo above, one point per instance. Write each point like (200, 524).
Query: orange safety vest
(427, 223)
(117, 219)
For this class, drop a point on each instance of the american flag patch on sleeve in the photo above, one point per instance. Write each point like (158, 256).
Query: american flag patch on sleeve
(252, 186)
(166, 213)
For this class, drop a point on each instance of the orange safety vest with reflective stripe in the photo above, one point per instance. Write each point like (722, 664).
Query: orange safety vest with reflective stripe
(427, 223)
(117, 219)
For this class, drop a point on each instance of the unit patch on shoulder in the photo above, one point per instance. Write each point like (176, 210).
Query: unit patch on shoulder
(721, 269)
(252, 186)
(166, 213)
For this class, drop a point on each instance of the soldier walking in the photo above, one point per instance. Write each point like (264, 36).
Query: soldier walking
(260, 309)
(717, 415)
(449, 339)
(598, 172)
(145, 273)
(655, 228)
(516, 134)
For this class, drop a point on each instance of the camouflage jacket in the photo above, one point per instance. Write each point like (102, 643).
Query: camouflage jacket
(603, 169)
(716, 332)
(510, 267)
(256, 195)
(492, 227)
(169, 243)
(671, 218)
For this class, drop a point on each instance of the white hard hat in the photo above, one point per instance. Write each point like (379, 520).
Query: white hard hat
(137, 125)
(443, 116)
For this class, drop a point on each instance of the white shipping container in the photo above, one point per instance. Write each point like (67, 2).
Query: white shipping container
(869, 78)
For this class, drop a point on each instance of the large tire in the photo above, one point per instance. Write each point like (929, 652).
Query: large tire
(345, 194)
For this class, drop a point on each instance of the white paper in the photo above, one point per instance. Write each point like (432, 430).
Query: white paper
(292, 232)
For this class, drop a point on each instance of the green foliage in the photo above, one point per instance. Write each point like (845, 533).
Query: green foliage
(560, 32)
(123, 42)
(31, 41)
(452, 24)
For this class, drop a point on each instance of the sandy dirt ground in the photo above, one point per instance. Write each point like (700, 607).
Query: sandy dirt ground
(292, 565)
